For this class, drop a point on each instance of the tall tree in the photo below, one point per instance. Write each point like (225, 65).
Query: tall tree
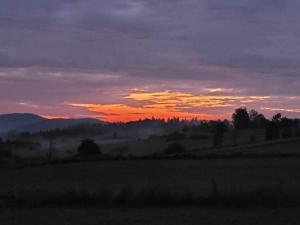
(277, 117)
(241, 119)
(257, 120)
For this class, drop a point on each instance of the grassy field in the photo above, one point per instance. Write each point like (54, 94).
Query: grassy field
(178, 176)
(134, 145)
(279, 176)
(149, 216)
(277, 147)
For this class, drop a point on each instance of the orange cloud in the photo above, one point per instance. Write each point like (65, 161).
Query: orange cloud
(166, 104)
(124, 113)
(181, 99)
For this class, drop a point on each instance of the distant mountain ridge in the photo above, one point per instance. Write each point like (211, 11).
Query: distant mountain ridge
(21, 122)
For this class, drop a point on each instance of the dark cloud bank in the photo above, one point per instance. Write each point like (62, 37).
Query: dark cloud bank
(92, 46)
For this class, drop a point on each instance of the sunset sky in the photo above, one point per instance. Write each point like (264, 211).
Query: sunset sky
(121, 60)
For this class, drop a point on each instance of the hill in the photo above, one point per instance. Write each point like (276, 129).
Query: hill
(282, 147)
(26, 122)
(12, 121)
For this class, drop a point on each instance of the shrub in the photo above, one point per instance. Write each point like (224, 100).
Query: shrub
(88, 148)
(174, 148)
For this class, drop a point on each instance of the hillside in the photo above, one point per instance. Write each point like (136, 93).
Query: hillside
(278, 147)
(21, 122)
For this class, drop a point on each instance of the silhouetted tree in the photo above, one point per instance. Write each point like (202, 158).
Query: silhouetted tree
(272, 131)
(257, 120)
(277, 117)
(241, 119)
(219, 134)
(253, 114)
(88, 148)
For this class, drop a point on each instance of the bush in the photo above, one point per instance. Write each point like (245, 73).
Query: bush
(174, 148)
(88, 148)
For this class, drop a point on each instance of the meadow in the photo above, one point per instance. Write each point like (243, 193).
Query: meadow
(149, 216)
(234, 190)
(178, 177)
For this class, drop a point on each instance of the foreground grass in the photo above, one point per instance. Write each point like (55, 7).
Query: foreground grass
(268, 198)
(149, 216)
(180, 176)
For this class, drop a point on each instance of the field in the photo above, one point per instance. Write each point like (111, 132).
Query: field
(42, 188)
(149, 216)
(278, 147)
(177, 176)
(135, 143)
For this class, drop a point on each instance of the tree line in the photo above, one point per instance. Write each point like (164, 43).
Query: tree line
(275, 128)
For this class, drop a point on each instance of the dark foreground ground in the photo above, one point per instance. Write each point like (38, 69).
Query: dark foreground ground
(178, 176)
(265, 191)
(149, 216)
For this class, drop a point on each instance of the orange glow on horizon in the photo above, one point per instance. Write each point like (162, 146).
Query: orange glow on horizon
(125, 113)
(51, 117)
(167, 104)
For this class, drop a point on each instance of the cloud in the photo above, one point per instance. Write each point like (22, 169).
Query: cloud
(181, 99)
(96, 50)
(168, 104)
(220, 90)
(125, 113)
(28, 104)
(254, 36)
(281, 110)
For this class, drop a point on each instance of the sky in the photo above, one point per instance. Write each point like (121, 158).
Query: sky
(122, 60)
